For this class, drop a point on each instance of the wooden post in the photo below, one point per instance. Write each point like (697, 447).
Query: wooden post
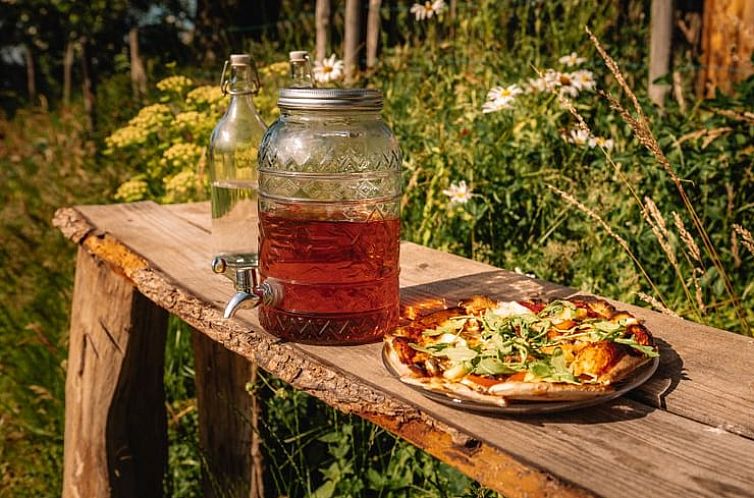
(322, 19)
(351, 50)
(661, 21)
(373, 32)
(115, 422)
(138, 75)
(228, 416)
(86, 83)
(727, 45)
(31, 78)
(67, 69)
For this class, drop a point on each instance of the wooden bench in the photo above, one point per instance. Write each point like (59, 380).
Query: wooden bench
(689, 431)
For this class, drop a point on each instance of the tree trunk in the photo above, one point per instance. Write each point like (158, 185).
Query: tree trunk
(659, 49)
(31, 78)
(351, 49)
(323, 28)
(373, 32)
(727, 45)
(67, 71)
(138, 75)
(86, 84)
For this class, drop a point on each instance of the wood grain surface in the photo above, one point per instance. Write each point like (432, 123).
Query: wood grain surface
(115, 421)
(687, 432)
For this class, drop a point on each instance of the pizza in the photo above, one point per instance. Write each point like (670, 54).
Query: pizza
(501, 352)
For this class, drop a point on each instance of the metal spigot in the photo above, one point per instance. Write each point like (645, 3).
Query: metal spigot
(249, 292)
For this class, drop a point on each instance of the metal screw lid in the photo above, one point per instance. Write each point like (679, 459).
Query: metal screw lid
(323, 99)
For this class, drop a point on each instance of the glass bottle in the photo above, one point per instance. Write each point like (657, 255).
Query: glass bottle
(301, 70)
(233, 170)
(330, 187)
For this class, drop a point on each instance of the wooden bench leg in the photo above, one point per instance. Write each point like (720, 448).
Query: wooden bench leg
(227, 421)
(115, 418)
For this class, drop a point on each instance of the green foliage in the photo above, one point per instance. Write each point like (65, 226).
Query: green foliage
(45, 162)
(512, 161)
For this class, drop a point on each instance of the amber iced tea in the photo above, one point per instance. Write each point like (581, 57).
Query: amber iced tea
(339, 278)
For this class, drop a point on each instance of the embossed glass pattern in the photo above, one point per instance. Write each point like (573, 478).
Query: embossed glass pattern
(330, 186)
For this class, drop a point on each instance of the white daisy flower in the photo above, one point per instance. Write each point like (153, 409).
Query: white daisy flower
(578, 136)
(330, 69)
(509, 92)
(428, 9)
(496, 105)
(535, 85)
(459, 193)
(571, 60)
(583, 80)
(602, 142)
(499, 98)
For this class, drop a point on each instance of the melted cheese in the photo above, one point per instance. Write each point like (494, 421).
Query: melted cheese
(511, 308)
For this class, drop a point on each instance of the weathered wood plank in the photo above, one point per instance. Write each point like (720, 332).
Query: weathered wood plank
(714, 392)
(227, 420)
(115, 422)
(534, 456)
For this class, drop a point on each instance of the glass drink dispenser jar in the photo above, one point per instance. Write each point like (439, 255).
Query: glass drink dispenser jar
(329, 202)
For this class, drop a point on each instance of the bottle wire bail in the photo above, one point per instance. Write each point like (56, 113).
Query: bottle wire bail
(253, 75)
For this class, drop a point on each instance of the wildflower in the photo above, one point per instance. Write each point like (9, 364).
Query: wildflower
(536, 85)
(578, 136)
(567, 87)
(182, 155)
(459, 193)
(428, 9)
(181, 187)
(133, 190)
(275, 70)
(499, 98)
(174, 84)
(330, 69)
(571, 60)
(152, 117)
(602, 142)
(583, 80)
(205, 95)
(522, 272)
(126, 136)
(507, 93)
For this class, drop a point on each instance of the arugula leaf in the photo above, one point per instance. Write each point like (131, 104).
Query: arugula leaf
(606, 326)
(492, 366)
(646, 350)
(451, 326)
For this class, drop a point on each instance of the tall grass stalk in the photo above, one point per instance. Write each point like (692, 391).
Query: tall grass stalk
(640, 126)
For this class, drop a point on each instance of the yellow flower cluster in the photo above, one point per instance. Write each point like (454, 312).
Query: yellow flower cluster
(152, 117)
(206, 94)
(126, 136)
(181, 187)
(174, 84)
(182, 155)
(187, 119)
(276, 70)
(133, 190)
(199, 124)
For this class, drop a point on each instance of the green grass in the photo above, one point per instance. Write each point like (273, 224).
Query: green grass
(435, 86)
